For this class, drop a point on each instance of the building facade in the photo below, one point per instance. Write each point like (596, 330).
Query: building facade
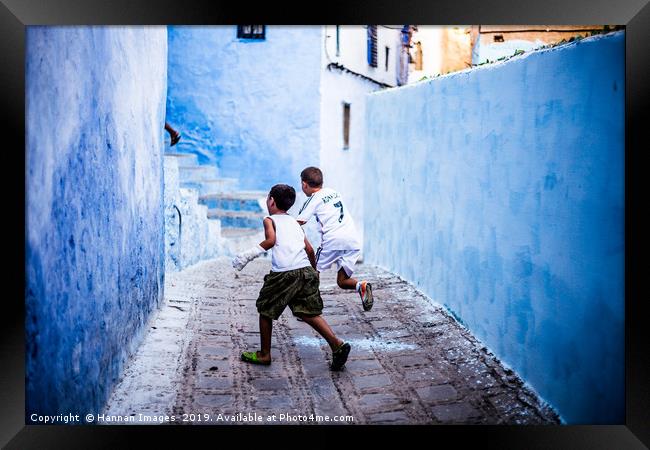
(491, 42)
(260, 103)
(438, 50)
(356, 61)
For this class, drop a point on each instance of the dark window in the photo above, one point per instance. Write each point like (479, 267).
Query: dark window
(387, 56)
(346, 126)
(372, 45)
(498, 38)
(251, 31)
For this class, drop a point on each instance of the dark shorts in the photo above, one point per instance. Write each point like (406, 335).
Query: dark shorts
(297, 289)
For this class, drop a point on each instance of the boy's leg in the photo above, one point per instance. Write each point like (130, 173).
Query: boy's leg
(262, 356)
(308, 305)
(322, 327)
(344, 280)
(340, 349)
(173, 134)
(363, 288)
(266, 327)
(270, 304)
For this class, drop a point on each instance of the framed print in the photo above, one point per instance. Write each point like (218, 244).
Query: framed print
(382, 229)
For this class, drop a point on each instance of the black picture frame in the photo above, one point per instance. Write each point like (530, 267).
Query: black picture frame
(15, 15)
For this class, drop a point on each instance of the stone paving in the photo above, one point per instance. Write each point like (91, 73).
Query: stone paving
(411, 361)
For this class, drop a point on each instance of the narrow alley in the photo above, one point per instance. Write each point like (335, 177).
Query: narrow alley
(482, 181)
(411, 361)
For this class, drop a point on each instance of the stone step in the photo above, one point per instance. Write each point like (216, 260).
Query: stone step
(213, 186)
(189, 194)
(236, 233)
(184, 159)
(197, 173)
(237, 219)
(254, 201)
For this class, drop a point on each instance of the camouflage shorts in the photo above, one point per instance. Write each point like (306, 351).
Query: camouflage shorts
(297, 289)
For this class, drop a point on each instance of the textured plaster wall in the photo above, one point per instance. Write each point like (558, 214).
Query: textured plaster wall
(189, 235)
(199, 239)
(499, 192)
(249, 107)
(173, 215)
(94, 207)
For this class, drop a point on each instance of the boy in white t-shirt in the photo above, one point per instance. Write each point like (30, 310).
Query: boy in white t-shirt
(340, 243)
(293, 280)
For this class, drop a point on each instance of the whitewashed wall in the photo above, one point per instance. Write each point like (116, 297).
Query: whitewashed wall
(343, 169)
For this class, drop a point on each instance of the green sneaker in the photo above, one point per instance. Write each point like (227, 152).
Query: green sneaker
(252, 357)
(340, 356)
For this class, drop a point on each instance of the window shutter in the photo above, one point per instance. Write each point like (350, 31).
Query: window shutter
(372, 45)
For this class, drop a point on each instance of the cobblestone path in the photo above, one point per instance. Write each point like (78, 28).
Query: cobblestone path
(411, 361)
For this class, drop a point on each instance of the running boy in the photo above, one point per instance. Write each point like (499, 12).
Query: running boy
(339, 240)
(293, 280)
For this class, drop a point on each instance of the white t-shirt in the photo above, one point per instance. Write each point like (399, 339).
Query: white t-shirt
(289, 249)
(336, 225)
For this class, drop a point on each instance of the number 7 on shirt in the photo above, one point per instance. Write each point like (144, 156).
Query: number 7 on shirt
(339, 205)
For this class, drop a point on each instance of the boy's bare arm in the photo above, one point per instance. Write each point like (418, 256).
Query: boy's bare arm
(243, 258)
(269, 234)
(310, 253)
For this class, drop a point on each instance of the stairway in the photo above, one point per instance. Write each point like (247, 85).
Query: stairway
(239, 213)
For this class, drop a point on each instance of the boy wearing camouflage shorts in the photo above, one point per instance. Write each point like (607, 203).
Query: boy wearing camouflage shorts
(293, 280)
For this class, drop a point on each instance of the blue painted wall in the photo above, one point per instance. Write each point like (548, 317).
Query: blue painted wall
(94, 207)
(250, 107)
(508, 182)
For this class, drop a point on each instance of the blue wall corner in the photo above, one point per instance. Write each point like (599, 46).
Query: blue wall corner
(509, 181)
(95, 106)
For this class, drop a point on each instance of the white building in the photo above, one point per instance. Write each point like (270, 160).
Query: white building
(356, 60)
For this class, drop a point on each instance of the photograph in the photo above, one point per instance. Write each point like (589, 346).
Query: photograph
(358, 226)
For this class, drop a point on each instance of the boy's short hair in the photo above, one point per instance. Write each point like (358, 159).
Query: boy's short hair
(284, 196)
(312, 176)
